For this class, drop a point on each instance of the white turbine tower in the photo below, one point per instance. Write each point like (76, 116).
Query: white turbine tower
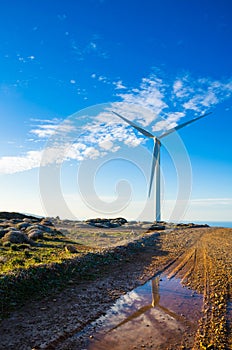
(155, 167)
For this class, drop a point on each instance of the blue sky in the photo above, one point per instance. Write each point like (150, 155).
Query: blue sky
(159, 63)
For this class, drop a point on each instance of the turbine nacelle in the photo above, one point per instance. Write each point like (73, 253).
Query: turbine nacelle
(156, 139)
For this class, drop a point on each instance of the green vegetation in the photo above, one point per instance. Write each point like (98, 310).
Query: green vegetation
(102, 238)
(32, 271)
(45, 251)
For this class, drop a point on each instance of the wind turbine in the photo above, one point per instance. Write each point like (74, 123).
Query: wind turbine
(155, 167)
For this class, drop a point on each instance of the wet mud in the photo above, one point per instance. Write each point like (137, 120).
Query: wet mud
(150, 316)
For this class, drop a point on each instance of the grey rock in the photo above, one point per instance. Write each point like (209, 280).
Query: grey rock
(35, 234)
(5, 224)
(70, 248)
(46, 222)
(106, 223)
(11, 228)
(156, 227)
(15, 237)
(49, 230)
(45, 229)
(23, 225)
(2, 233)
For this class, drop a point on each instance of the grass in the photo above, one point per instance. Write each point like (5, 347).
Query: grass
(31, 271)
(102, 238)
(45, 251)
(51, 249)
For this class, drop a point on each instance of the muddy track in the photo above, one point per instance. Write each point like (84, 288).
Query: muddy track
(200, 257)
(206, 267)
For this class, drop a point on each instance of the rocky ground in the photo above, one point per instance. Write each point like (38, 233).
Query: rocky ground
(201, 257)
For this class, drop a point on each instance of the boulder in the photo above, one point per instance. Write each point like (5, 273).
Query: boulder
(156, 227)
(35, 234)
(15, 237)
(5, 224)
(45, 229)
(46, 222)
(114, 224)
(11, 228)
(106, 223)
(23, 225)
(50, 230)
(70, 248)
(2, 233)
(120, 221)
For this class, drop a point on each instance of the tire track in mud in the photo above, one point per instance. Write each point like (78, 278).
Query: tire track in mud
(199, 265)
(202, 267)
(154, 268)
(174, 264)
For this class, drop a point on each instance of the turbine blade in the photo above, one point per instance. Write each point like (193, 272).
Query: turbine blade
(143, 131)
(153, 165)
(182, 125)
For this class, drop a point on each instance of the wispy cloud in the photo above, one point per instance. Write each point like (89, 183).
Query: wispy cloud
(169, 122)
(119, 85)
(156, 104)
(173, 100)
(149, 95)
(107, 136)
(47, 128)
(54, 154)
(101, 78)
(11, 165)
(212, 202)
(201, 94)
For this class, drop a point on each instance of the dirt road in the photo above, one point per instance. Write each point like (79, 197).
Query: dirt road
(200, 257)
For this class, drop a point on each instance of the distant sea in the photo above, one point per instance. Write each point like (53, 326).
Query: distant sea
(215, 223)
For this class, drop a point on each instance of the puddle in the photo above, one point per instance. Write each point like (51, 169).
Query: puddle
(155, 315)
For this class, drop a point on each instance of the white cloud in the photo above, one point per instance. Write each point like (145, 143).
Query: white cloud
(172, 100)
(92, 46)
(212, 202)
(52, 127)
(119, 85)
(44, 130)
(177, 86)
(179, 90)
(105, 135)
(91, 153)
(132, 141)
(50, 121)
(11, 165)
(103, 79)
(155, 105)
(202, 102)
(143, 115)
(169, 122)
(150, 95)
(55, 154)
(201, 94)
(106, 144)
